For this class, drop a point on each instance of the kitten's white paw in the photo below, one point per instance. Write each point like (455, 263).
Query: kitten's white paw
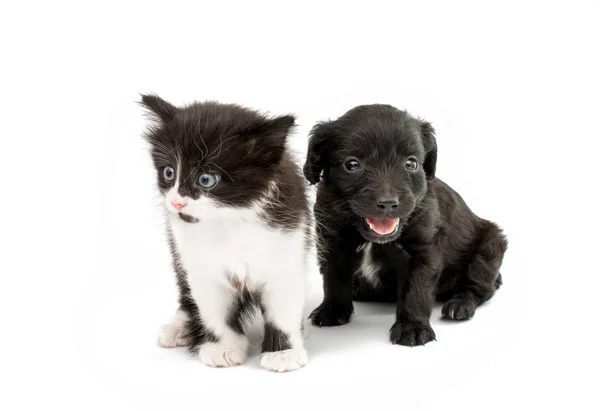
(216, 355)
(282, 361)
(171, 336)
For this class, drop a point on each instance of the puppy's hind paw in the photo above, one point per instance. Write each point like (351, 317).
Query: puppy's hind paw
(458, 309)
(283, 361)
(411, 333)
(331, 314)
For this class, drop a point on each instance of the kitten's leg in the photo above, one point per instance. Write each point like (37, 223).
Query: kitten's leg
(283, 305)
(173, 334)
(230, 347)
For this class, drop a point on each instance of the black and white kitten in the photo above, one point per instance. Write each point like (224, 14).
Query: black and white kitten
(238, 223)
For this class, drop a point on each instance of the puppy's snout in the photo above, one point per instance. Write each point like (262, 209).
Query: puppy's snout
(387, 204)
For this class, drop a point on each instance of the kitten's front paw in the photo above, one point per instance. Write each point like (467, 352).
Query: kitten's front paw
(216, 355)
(283, 361)
(171, 336)
(411, 333)
(330, 314)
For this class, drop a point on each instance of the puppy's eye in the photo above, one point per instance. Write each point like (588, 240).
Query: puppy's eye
(169, 173)
(352, 165)
(411, 164)
(208, 180)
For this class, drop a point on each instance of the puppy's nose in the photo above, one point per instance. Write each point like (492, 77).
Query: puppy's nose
(178, 206)
(387, 204)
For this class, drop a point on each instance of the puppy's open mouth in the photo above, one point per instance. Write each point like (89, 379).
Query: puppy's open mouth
(383, 226)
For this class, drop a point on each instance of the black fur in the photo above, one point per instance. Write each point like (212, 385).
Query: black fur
(274, 339)
(188, 218)
(441, 249)
(243, 310)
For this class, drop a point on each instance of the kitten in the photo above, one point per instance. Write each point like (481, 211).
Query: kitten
(238, 224)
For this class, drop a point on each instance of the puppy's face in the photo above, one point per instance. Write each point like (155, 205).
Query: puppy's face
(376, 159)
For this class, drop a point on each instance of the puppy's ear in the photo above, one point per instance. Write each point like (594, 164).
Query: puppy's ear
(163, 110)
(319, 146)
(430, 144)
(267, 139)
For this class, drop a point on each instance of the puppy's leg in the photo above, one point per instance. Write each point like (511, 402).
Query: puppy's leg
(282, 302)
(228, 347)
(336, 262)
(174, 334)
(481, 277)
(415, 300)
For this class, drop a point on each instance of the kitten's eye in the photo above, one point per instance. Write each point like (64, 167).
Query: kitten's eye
(208, 180)
(352, 165)
(411, 164)
(169, 173)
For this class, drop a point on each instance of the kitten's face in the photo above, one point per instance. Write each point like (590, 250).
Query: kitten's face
(210, 157)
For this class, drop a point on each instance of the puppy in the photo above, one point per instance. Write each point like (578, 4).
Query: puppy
(389, 230)
(238, 224)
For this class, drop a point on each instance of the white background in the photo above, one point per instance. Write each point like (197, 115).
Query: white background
(511, 88)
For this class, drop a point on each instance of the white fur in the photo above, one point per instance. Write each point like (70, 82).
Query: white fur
(368, 268)
(223, 355)
(283, 361)
(239, 243)
(171, 335)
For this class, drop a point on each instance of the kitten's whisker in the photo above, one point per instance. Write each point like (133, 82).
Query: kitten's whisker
(205, 146)
(160, 147)
(219, 148)
(187, 178)
(232, 180)
(201, 152)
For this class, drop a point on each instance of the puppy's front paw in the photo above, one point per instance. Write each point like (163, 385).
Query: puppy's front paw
(411, 333)
(458, 309)
(330, 314)
(217, 355)
(283, 361)
(171, 336)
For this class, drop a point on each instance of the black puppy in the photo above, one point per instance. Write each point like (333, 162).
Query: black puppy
(389, 230)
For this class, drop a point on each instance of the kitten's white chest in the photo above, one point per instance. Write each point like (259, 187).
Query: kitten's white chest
(238, 244)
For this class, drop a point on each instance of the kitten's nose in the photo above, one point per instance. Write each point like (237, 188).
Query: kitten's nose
(178, 206)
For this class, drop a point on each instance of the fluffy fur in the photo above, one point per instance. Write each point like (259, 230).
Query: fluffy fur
(389, 230)
(239, 246)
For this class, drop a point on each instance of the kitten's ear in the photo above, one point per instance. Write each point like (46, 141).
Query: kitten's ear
(277, 129)
(319, 149)
(163, 110)
(430, 144)
(268, 138)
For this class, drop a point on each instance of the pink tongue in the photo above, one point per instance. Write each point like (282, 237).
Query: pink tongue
(382, 226)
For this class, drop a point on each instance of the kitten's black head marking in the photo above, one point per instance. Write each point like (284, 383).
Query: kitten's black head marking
(240, 145)
(244, 148)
